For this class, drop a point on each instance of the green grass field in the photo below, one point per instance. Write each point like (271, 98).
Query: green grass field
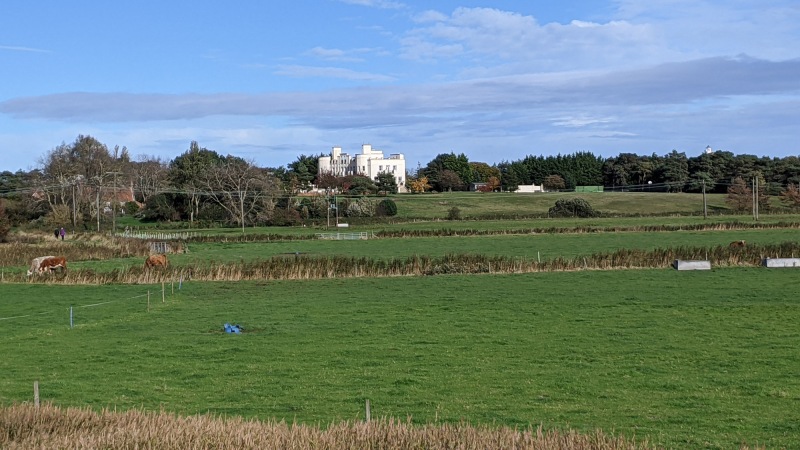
(687, 360)
(702, 359)
(542, 246)
(475, 204)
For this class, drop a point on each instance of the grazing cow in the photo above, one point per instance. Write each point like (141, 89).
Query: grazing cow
(156, 261)
(35, 263)
(50, 264)
(737, 244)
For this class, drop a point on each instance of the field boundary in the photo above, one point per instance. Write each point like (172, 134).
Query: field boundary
(162, 236)
(347, 236)
(92, 305)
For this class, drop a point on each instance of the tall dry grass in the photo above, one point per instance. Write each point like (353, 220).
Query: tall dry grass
(446, 232)
(24, 426)
(304, 267)
(77, 248)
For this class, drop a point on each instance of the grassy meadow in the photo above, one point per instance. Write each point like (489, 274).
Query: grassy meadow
(532, 246)
(476, 205)
(684, 359)
(681, 359)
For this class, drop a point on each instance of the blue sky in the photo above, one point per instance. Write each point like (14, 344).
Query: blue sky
(495, 80)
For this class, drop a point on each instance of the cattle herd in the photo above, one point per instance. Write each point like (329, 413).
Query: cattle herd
(48, 264)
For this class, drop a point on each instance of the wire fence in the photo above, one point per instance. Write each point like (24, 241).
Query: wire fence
(148, 295)
(157, 235)
(347, 236)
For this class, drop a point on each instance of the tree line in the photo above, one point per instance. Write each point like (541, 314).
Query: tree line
(673, 172)
(83, 181)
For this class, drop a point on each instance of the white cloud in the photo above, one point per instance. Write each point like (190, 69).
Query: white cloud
(429, 16)
(298, 71)
(335, 54)
(579, 121)
(700, 28)
(22, 49)
(494, 36)
(384, 4)
(712, 79)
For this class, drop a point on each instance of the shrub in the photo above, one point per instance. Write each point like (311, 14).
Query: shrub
(387, 208)
(574, 207)
(282, 217)
(360, 207)
(131, 208)
(454, 213)
(160, 208)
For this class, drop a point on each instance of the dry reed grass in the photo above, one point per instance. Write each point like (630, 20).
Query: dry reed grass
(304, 267)
(405, 233)
(735, 225)
(77, 248)
(24, 426)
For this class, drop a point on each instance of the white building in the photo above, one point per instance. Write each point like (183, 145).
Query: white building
(370, 163)
(528, 188)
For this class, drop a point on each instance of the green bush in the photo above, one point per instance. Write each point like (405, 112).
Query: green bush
(131, 208)
(573, 207)
(387, 208)
(454, 214)
(282, 217)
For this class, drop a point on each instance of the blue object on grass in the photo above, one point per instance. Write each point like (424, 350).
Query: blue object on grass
(232, 328)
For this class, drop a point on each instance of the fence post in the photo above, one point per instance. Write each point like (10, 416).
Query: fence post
(162, 292)
(36, 393)
(70, 317)
(148, 300)
(368, 413)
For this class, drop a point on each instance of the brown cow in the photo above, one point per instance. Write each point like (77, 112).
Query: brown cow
(738, 244)
(156, 261)
(53, 263)
(35, 263)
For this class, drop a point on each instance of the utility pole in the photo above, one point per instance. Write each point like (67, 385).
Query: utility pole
(114, 204)
(97, 201)
(705, 205)
(74, 214)
(756, 196)
(114, 208)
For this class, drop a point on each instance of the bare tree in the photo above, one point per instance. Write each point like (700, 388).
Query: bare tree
(72, 173)
(149, 176)
(240, 188)
(57, 175)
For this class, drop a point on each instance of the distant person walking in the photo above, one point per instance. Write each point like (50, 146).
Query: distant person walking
(63, 233)
(55, 234)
